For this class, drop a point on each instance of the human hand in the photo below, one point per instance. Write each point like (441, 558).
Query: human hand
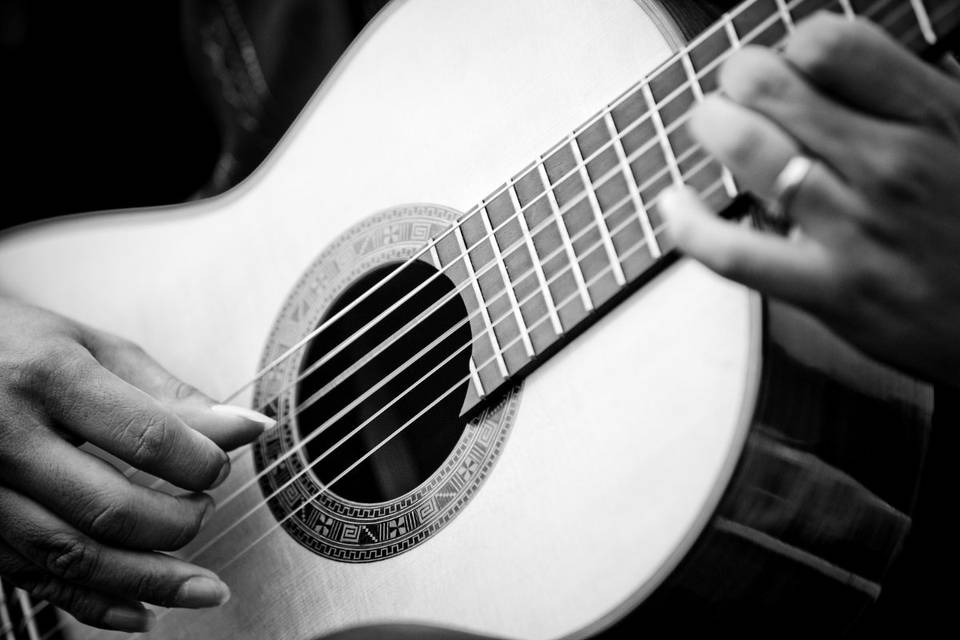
(875, 250)
(74, 530)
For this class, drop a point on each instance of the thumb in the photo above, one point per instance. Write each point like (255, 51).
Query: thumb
(227, 425)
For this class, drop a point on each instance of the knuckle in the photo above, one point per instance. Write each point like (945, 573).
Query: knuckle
(179, 390)
(861, 283)
(903, 174)
(45, 588)
(70, 558)
(56, 364)
(113, 521)
(148, 433)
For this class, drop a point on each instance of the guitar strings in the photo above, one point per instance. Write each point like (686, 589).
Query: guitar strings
(516, 246)
(573, 296)
(37, 609)
(612, 208)
(335, 418)
(644, 117)
(433, 243)
(493, 265)
(456, 385)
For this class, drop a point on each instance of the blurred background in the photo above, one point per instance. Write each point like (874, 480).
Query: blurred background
(116, 104)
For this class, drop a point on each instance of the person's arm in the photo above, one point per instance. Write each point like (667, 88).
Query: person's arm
(875, 250)
(73, 529)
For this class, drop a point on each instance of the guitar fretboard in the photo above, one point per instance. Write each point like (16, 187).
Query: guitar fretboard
(579, 227)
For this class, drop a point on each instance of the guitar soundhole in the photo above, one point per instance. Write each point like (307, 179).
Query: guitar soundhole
(412, 373)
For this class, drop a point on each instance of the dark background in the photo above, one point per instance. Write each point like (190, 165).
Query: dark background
(109, 105)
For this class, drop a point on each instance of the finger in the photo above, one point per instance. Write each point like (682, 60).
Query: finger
(757, 151)
(89, 607)
(227, 426)
(855, 145)
(83, 397)
(68, 555)
(95, 498)
(853, 61)
(795, 271)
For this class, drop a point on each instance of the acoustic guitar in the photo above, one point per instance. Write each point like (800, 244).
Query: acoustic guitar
(506, 406)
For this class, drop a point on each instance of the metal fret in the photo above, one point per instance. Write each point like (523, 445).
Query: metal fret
(729, 182)
(923, 18)
(568, 246)
(507, 283)
(662, 135)
(27, 608)
(634, 189)
(535, 258)
(435, 256)
(731, 30)
(478, 385)
(481, 303)
(848, 9)
(598, 215)
(785, 14)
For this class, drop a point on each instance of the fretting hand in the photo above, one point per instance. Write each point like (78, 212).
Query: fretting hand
(74, 530)
(875, 251)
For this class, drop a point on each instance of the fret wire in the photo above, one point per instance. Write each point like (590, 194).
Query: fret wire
(303, 341)
(508, 285)
(663, 137)
(535, 259)
(562, 227)
(477, 383)
(587, 302)
(435, 257)
(597, 214)
(848, 9)
(634, 189)
(471, 275)
(729, 182)
(718, 61)
(923, 18)
(27, 610)
(731, 30)
(543, 225)
(785, 14)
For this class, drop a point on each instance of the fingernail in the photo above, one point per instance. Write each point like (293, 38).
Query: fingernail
(201, 591)
(128, 619)
(248, 414)
(224, 472)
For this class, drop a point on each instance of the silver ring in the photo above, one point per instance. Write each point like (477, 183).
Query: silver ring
(787, 184)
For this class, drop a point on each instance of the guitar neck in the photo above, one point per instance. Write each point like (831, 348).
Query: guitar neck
(545, 254)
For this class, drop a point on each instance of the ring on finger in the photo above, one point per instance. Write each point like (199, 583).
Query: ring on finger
(786, 186)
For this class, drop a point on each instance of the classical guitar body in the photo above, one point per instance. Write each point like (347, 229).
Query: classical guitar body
(697, 451)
